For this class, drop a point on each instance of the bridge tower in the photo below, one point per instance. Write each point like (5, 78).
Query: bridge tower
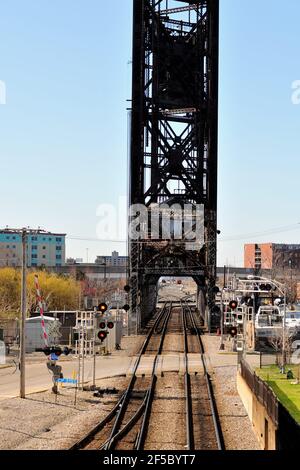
(174, 144)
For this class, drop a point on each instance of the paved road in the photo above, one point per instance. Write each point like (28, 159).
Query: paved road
(39, 379)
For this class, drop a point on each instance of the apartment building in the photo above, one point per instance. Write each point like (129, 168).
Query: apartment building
(272, 256)
(44, 249)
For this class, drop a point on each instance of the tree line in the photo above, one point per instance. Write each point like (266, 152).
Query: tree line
(59, 292)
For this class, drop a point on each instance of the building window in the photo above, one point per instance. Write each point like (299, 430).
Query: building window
(34, 239)
(34, 247)
(34, 256)
(58, 240)
(44, 248)
(58, 248)
(7, 246)
(58, 256)
(44, 256)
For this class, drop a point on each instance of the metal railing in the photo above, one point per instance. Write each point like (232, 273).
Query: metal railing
(262, 391)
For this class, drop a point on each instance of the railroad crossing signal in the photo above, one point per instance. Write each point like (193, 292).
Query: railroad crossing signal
(127, 289)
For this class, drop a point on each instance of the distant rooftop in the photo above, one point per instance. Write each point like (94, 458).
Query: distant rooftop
(38, 231)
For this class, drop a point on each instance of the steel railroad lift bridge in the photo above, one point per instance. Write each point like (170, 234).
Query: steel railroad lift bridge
(173, 147)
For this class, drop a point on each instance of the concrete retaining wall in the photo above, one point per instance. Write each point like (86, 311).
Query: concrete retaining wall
(263, 426)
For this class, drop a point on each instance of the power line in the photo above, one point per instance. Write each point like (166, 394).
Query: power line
(287, 228)
(278, 230)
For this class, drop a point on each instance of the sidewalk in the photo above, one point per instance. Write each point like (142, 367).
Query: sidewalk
(39, 379)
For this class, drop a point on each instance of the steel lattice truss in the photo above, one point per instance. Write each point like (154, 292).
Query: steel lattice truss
(175, 124)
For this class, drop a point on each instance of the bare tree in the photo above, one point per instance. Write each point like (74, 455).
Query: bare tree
(276, 342)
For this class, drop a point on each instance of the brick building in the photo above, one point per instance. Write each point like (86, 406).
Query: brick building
(272, 256)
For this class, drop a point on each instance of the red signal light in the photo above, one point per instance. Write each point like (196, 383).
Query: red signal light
(102, 335)
(233, 305)
(102, 325)
(110, 325)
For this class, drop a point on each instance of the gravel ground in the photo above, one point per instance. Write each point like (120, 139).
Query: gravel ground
(237, 428)
(168, 407)
(41, 423)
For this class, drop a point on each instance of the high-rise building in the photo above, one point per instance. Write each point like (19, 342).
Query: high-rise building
(44, 249)
(271, 256)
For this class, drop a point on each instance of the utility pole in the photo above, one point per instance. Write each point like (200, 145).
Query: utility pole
(24, 233)
(23, 314)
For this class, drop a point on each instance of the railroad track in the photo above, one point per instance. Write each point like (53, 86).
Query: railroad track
(201, 432)
(126, 427)
(109, 432)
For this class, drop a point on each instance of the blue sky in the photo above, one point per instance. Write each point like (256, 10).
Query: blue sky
(63, 130)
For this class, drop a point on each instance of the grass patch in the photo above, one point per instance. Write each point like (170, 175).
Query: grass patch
(287, 393)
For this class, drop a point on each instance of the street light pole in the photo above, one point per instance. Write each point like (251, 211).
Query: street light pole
(23, 315)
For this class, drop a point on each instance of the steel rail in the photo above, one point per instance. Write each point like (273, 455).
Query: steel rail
(118, 409)
(148, 400)
(187, 387)
(89, 437)
(109, 443)
(116, 427)
(139, 445)
(213, 406)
